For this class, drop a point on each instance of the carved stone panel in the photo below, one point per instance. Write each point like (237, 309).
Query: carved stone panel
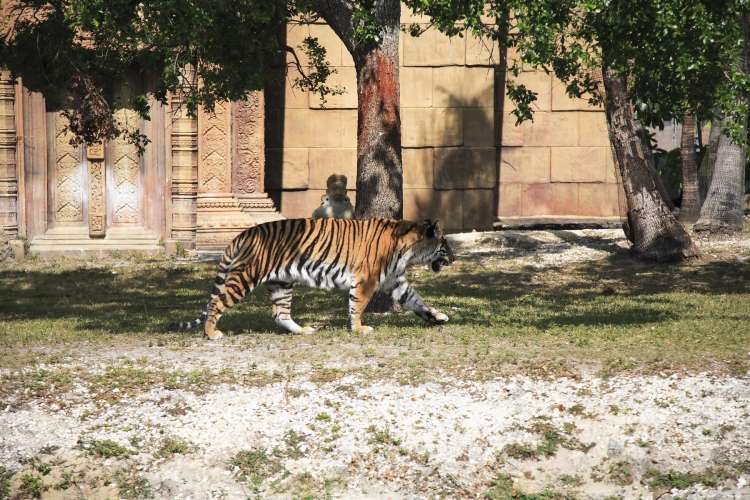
(68, 175)
(214, 141)
(125, 174)
(247, 167)
(97, 205)
(8, 178)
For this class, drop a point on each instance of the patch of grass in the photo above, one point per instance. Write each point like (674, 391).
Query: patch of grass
(621, 473)
(294, 442)
(382, 437)
(131, 485)
(42, 468)
(520, 451)
(66, 481)
(103, 448)
(255, 466)
(571, 481)
(502, 488)
(31, 486)
(173, 446)
(323, 417)
(5, 478)
(680, 480)
(551, 440)
(505, 318)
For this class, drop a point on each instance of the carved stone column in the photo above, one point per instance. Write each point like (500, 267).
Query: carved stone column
(230, 172)
(8, 174)
(249, 158)
(97, 192)
(184, 173)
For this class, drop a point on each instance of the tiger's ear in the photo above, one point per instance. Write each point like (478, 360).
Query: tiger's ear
(433, 229)
(403, 227)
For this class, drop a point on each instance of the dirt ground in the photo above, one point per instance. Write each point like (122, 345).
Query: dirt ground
(231, 419)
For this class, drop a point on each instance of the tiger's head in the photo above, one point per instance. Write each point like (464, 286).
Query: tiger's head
(426, 243)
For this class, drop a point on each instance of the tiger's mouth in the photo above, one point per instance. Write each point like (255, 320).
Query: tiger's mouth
(437, 264)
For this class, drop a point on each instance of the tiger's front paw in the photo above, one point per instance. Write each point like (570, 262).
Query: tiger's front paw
(215, 335)
(364, 329)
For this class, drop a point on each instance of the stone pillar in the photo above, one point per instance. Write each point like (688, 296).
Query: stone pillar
(8, 174)
(230, 172)
(249, 156)
(97, 193)
(184, 138)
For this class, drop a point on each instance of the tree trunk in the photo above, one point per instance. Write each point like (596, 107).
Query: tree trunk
(379, 169)
(706, 172)
(655, 232)
(691, 204)
(724, 207)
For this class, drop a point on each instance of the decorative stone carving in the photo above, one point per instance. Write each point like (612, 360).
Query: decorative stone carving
(214, 167)
(184, 135)
(8, 178)
(97, 192)
(68, 196)
(126, 174)
(247, 167)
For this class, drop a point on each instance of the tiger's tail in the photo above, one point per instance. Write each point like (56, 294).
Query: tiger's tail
(224, 265)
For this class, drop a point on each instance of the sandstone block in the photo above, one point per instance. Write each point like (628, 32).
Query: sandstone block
(578, 164)
(536, 81)
(300, 204)
(561, 101)
(326, 161)
(526, 165)
(419, 204)
(416, 87)
(478, 209)
(479, 127)
(433, 48)
(593, 129)
(536, 200)
(290, 168)
(447, 127)
(482, 51)
(610, 168)
(330, 41)
(510, 199)
(464, 168)
(418, 165)
(563, 199)
(416, 127)
(449, 209)
(558, 128)
(345, 79)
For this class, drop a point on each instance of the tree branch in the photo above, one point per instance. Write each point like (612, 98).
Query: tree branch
(338, 15)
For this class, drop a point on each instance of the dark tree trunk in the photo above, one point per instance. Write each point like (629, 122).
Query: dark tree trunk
(379, 169)
(706, 172)
(655, 232)
(691, 204)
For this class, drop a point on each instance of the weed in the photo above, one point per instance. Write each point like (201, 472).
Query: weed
(571, 481)
(502, 488)
(5, 477)
(323, 417)
(103, 448)
(382, 437)
(621, 473)
(66, 481)
(173, 446)
(681, 480)
(31, 486)
(255, 466)
(130, 484)
(294, 442)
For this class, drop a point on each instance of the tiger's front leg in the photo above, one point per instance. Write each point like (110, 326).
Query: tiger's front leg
(405, 295)
(359, 296)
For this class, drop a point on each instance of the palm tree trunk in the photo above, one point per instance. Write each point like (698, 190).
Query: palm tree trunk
(706, 171)
(655, 232)
(691, 204)
(724, 207)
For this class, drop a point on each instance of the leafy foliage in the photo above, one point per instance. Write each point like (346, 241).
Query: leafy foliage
(678, 55)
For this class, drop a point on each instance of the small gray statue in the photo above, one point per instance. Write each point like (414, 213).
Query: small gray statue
(335, 203)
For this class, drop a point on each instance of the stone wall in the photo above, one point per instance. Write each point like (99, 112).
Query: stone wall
(559, 166)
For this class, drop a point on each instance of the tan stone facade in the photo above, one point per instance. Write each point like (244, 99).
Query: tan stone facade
(465, 162)
(203, 179)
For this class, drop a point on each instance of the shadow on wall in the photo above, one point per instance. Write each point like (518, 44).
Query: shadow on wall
(464, 168)
(274, 96)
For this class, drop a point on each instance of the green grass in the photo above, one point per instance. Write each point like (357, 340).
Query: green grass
(618, 315)
(173, 446)
(255, 466)
(104, 448)
(502, 488)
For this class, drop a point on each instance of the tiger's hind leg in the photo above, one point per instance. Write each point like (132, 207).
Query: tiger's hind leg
(281, 298)
(226, 293)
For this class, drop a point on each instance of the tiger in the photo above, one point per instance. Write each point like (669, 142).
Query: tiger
(358, 255)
